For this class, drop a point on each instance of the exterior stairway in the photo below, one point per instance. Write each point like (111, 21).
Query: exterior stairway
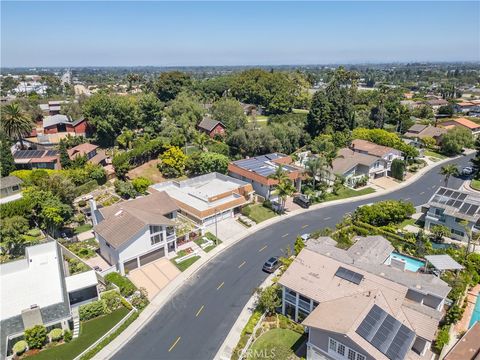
(76, 322)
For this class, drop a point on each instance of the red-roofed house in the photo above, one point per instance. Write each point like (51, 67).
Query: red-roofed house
(464, 123)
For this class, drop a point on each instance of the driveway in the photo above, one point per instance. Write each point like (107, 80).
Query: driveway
(227, 228)
(154, 276)
(385, 182)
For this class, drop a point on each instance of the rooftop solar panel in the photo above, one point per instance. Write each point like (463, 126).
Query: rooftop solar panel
(462, 197)
(386, 333)
(472, 210)
(457, 204)
(441, 191)
(450, 202)
(465, 207)
(448, 193)
(349, 275)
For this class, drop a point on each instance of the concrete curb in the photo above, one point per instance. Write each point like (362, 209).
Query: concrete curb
(169, 291)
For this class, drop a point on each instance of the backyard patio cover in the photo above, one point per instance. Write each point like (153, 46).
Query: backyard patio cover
(443, 262)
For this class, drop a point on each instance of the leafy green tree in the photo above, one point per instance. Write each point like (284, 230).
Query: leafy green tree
(447, 171)
(455, 140)
(398, 169)
(268, 299)
(151, 111)
(384, 212)
(203, 163)
(475, 160)
(12, 242)
(185, 112)
(230, 113)
(320, 114)
(141, 184)
(125, 139)
(201, 140)
(299, 245)
(125, 189)
(173, 162)
(36, 336)
(446, 110)
(7, 164)
(170, 84)
(315, 168)
(439, 232)
(284, 187)
(15, 122)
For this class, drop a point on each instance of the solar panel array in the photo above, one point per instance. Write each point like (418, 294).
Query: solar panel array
(455, 199)
(385, 333)
(28, 154)
(349, 275)
(259, 164)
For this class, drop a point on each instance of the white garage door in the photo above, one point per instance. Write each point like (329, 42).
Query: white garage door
(224, 215)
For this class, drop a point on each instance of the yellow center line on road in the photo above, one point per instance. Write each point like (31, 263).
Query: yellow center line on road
(174, 344)
(243, 263)
(219, 286)
(199, 311)
(304, 226)
(263, 248)
(284, 235)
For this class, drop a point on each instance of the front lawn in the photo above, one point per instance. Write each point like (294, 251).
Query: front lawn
(434, 154)
(184, 265)
(90, 331)
(282, 343)
(345, 193)
(82, 228)
(258, 213)
(475, 184)
(209, 236)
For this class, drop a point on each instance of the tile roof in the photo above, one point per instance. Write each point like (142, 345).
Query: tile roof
(466, 123)
(372, 148)
(124, 220)
(9, 181)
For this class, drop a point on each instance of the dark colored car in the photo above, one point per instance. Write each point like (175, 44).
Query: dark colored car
(271, 264)
(302, 201)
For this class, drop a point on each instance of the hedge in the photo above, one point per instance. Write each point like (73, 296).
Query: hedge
(125, 285)
(36, 336)
(20, 347)
(92, 310)
(56, 334)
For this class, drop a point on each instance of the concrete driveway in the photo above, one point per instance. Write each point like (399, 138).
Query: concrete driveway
(154, 276)
(227, 228)
(385, 182)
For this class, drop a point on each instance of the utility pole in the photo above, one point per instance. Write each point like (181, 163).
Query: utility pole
(216, 228)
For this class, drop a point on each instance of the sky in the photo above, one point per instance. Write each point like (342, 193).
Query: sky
(124, 33)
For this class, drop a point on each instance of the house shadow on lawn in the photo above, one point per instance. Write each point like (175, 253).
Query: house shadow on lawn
(300, 347)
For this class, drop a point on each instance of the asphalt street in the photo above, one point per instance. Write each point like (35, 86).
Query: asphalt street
(194, 323)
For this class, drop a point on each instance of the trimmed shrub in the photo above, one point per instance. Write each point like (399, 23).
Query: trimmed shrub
(443, 338)
(398, 169)
(55, 334)
(125, 285)
(20, 347)
(36, 336)
(111, 301)
(246, 210)
(92, 310)
(67, 336)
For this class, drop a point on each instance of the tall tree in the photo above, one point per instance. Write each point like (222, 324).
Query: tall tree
(447, 171)
(7, 164)
(230, 113)
(476, 160)
(15, 123)
(170, 84)
(320, 114)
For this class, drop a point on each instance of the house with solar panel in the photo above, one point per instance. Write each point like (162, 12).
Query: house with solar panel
(357, 306)
(37, 159)
(257, 171)
(450, 207)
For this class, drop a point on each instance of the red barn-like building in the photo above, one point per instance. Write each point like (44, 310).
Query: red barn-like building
(211, 127)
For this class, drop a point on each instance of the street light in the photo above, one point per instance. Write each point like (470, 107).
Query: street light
(216, 228)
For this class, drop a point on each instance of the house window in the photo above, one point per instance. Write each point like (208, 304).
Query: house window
(155, 239)
(155, 229)
(439, 212)
(15, 187)
(361, 357)
(332, 344)
(343, 351)
(458, 232)
(351, 354)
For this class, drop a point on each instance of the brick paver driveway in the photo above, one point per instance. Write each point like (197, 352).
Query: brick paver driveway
(154, 276)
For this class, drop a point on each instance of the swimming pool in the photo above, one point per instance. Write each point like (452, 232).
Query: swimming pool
(411, 264)
(476, 312)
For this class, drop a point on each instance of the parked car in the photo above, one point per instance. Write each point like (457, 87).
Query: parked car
(302, 201)
(305, 237)
(467, 170)
(271, 264)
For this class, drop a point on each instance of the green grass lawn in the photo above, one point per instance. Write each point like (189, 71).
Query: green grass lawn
(345, 193)
(259, 213)
(83, 228)
(90, 331)
(406, 222)
(434, 154)
(210, 236)
(184, 265)
(300, 111)
(280, 342)
(476, 184)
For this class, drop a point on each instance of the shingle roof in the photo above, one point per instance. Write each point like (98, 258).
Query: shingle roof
(81, 150)
(417, 128)
(208, 124)
(468, 347)
(55, 119)
(347, 159)
(372, 148)
(10, 181)
(124, 220)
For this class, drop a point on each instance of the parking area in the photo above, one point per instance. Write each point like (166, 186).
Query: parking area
(154, 276)
(227, 228)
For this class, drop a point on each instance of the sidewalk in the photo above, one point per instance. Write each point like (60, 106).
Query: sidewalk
(169, 291)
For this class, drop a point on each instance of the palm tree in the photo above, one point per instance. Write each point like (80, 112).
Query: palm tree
(201, 140)
(284, 187)
(447, 171)
(315, 168)
(15, 123)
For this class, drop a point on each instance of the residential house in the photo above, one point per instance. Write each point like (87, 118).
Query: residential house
(91, 151)
(465, 107)
(37, 159)
(353, 166)
(463, 123)
(37, 290)
(385, 153)
(357, 307)
(468, 346)
(450, 207)
(10, 185)
(258, 171)
(53, 107)
(435, 104)
(252, 109)
(419, 131)
(211, 127)
(136, 232)
(208, 198)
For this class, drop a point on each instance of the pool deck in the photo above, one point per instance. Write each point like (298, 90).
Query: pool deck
(471, 299)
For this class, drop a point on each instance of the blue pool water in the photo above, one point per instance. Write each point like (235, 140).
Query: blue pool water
(411, 264)
(476, 312)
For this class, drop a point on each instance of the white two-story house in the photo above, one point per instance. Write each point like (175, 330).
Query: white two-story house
(136, 232)
(385, 153)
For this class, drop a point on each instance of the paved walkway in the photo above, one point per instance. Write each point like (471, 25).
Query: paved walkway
(169, 290)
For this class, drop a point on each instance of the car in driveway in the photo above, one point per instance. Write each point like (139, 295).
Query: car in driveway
(302, 201)
(468, 170)
(271, 264)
